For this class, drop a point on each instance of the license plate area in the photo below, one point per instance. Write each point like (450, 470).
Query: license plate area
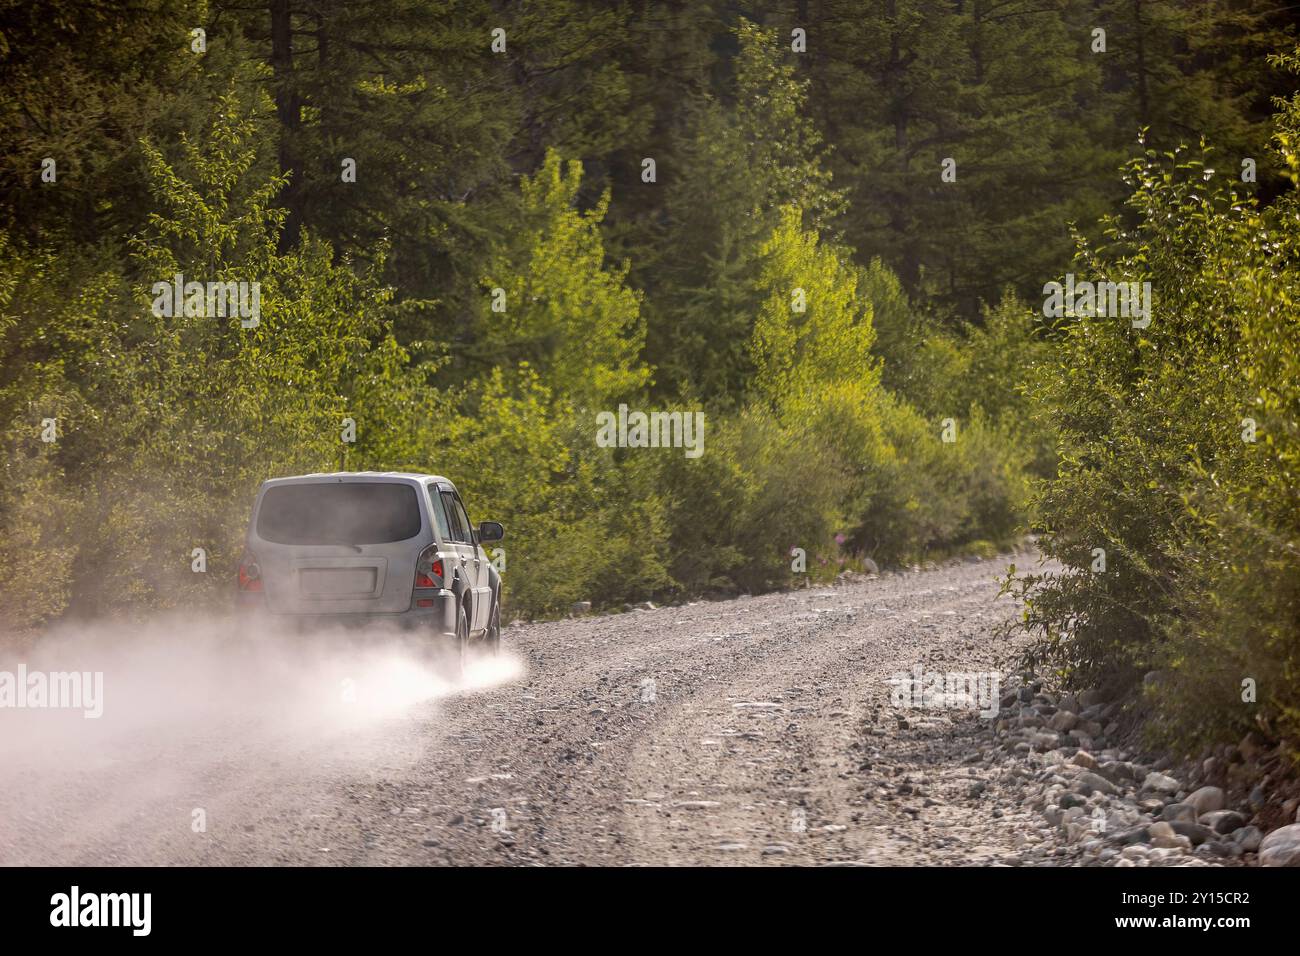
(337, 582)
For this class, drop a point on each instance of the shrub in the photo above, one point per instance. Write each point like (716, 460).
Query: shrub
(1199, 526)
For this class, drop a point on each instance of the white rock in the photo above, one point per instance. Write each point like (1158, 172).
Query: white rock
(1207, 800)
(1159, 783)
(1281, 847)
(1164, 837)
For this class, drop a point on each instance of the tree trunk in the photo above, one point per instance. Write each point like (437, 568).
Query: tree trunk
(1144, 112)
(288, 110)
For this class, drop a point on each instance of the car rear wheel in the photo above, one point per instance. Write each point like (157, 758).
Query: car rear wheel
(492, 642)
(462, 643)
(446, 652)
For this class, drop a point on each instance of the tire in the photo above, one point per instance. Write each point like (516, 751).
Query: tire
(492, 640)
(460, 645)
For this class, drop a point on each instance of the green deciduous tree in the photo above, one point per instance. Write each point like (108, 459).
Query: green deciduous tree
(565, 309)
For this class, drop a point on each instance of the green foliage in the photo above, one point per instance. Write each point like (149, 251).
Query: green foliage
(565, 311)
(813, 332)
(731, 512)
(82, 84)
(776, 171)
(580, 526)
(169, 422)
(1198, 524)
(1035, 120)
(951, 371)
(738, 167)
(929, 497)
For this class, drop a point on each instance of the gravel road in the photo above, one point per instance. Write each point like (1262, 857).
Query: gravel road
(750, 731)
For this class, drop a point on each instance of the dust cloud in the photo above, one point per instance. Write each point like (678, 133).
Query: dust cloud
(198, 712)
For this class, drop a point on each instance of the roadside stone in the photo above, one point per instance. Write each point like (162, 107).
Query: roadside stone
(1089, 783)
(1063, 721)
(1194, 832)
(1223, 821)
(1164, 836)
(1116, 771)
(1248, 838)
(1085, 760)
(1139, 834)
(1207, 800)
(1156, 782)
(1217, 849)
(1281, 847)
(1258, 799)
(1179, 811)
(1076, 830)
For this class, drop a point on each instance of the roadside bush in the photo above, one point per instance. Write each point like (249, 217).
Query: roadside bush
(1198, 520)
(579, 524)
(928, 497)
(761, 489)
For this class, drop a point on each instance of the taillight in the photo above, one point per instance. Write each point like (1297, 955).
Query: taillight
(428, 568)
(250, 574)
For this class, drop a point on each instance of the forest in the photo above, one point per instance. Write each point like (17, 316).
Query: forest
(475, 233)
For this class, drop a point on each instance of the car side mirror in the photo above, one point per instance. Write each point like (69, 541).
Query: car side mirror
(490, 531)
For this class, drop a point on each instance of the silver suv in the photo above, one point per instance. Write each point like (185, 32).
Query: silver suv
(367, 547)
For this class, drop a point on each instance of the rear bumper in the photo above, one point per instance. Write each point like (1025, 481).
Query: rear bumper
(439, 618)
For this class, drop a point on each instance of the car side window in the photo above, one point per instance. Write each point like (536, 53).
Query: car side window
(470, 536)
(439, 513)
(459, 526)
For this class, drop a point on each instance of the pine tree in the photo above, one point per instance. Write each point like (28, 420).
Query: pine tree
(739, 167)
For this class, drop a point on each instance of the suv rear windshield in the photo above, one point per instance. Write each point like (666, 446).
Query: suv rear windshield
(339, 513)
